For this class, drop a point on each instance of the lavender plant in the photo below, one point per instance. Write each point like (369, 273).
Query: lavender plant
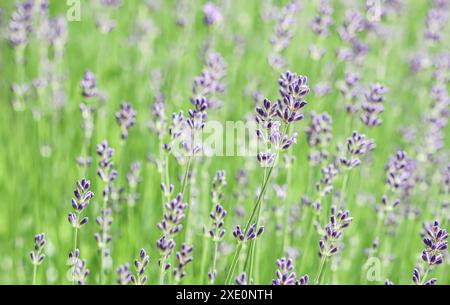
(82, 198)
(125, 118)
(170, 226)
(328, 244)
(37, 256)
(107, 175)
(373, 105)
(285, 274)
(151, 59)
(183, 258)
(436, 244)
(271, 117)
(140, 264)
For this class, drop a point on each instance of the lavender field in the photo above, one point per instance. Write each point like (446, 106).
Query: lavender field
(224, 142)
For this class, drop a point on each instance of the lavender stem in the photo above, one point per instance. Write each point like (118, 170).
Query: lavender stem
(34, 274)
(424, 277)
(216, 245)
(75, 248)
(255, 208)
(321, 269)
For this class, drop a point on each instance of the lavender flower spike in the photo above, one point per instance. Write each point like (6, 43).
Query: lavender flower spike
(241, 279)
(82, 198)
(357, 145)
(333, 232)
(183, 258)
(36, 256)
(252, 233)
(286, 274)
(125, 117)
(435, 244)
(88, 86)
(435, 241)
(212, 14)
(140, 264)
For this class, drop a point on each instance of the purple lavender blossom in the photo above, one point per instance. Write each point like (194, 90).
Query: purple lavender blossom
(286, 274)
(183, 258)
(158, 122)
(435, 244)
(357, 145)
(218, 184)
(350, 90)
(241, 279)
(124, 273)
(105, 171)
(435, 23)
(209, 83)
(325, 185)
(339, 220)
(125, 117)
(78, 266)
(252, 233)
(140, 264)
(321, 23)
(354, 23)
(319, 136)
(165, 246)
(36, 256)
(218, 216)
(283, 31)
(82, 198)
(133, 179)
(271, 116)
(373, 105)
(173, 216)
(212, 13)
(400, 173)
(417, 279)
(21, 24)
(88, 86)
(104, 221)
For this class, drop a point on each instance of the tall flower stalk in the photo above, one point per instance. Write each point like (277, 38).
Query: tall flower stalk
(170, 226)
(37, 256)
(328, 245)
(107, 174)
(435, 241)
(82, 198)
(274, 120)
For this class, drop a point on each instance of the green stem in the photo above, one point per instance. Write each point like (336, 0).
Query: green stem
(216, 245)
(255, 208)
(424, 277)
(162, 271)
(103, 246)
(233, 263)
(186, 173)
(74, 250)
(203, 260)
(34, 273)
(344, 187)
(321, 270)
